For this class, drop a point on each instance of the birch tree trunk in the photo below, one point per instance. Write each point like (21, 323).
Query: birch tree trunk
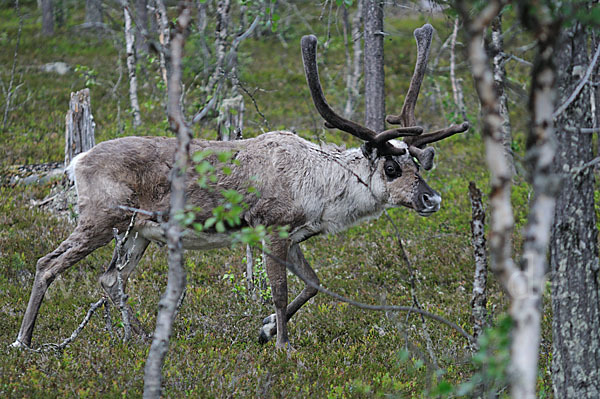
(163, 37)
(524, 283)
(528, 282)
(93, 13)
(479, 296)
(374, 73)
(221, 36)
(141, 10)
(130, 46)
(79, 129)
(498, 60)
(574, 250)
(167, 305)
(47, 17)
(457, 91)
(202, 22)
(353, 63)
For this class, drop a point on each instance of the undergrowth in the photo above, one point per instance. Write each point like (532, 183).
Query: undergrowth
(341, 351)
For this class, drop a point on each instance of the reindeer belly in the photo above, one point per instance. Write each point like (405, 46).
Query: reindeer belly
(191, 239)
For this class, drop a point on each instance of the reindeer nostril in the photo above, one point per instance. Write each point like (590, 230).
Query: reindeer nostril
(427, 200)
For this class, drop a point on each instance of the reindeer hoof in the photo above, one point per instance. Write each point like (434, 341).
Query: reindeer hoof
(268, 330)
(285, 346)
(17, 344)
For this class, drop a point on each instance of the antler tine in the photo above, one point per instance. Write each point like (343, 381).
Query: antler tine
(391, 134)
(423, 36)
(420, 141)
(309, 57)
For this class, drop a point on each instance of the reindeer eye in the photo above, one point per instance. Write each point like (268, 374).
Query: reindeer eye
(392, 169)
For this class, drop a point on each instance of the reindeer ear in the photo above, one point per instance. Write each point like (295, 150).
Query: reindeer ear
(425, 157)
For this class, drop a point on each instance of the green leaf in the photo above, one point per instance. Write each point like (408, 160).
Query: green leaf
(210, 222)
(224, 156)
(201, 155)
(444, 388)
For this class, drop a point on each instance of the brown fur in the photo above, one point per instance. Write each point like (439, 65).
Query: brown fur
(309, 188)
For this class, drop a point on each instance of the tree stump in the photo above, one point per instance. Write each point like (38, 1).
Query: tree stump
(79, 131)
(230, 121)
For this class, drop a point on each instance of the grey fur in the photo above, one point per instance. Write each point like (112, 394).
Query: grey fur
(312, 189)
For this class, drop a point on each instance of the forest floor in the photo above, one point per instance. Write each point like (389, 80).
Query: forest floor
(341, 351)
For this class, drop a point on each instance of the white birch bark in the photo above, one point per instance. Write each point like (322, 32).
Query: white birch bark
(354, 62)
(524, 284)
(457, 91)
(163, 37)
(479, 296)
(498, 62)
(130, 47)
(167, 305)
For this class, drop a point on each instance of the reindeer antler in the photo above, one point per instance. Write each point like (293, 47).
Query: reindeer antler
(423, 36)
(414, 137)
(333, 120)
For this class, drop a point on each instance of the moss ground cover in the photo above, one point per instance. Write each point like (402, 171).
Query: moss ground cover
(341, 351)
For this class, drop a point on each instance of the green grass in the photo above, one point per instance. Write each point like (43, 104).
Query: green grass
(341, 351)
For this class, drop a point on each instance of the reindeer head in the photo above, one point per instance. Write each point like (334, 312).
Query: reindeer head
(396, 162)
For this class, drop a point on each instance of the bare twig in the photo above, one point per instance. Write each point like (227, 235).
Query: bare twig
(210, 105)
(579, 86)
(153, 214)
(579, 169)
(413, 290)
(10, 91)
(588, 130)
(518, 59)
(241, 86)
(292, 268)
(250, 272)
(107, 318)
(74, 334)
(122, 262)
(80, 327)
(457, 91)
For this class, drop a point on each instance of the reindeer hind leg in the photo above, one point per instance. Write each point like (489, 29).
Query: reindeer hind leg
(86, 238)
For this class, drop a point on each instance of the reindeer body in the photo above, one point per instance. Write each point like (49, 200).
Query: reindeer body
(312, 189)
(309, 188)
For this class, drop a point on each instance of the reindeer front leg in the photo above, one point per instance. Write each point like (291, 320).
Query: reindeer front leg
(276, 271)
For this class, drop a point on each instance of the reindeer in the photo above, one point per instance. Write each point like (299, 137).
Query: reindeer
(311, 189)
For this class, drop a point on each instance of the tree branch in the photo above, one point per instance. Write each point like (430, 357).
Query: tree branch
(292, 268)
(9, 92)
(579, 86)
(167, 306)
